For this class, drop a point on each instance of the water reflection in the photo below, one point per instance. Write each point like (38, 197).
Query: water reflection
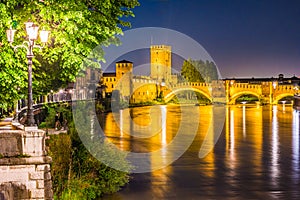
(275, 148)
(244, 121)
(296, 143)
(164, 125)
(256, 157)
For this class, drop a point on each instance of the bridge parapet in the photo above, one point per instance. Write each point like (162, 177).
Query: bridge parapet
(245, 87)
(202, 88)
(192, 84)
(235, 90)
(285, 88)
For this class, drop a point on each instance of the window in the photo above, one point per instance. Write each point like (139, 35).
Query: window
(93, 76)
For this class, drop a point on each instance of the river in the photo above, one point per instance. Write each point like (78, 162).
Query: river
(256, 155)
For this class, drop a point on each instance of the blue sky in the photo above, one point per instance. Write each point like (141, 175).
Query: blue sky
(245, 38)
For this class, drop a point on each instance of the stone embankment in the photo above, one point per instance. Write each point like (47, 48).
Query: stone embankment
(24, 166)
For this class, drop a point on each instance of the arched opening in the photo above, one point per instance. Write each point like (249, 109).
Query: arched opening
(247, 98)
(188, 96)
(284, 99)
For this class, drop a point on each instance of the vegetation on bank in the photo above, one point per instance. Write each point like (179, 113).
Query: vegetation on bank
(190, 97)
(77, 174)
(247, 98)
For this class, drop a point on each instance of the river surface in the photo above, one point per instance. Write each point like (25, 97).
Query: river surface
(256, 155)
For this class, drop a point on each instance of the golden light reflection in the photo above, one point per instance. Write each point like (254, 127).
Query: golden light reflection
(161, 183)
(232, 134)
(295, 143)
(114, 131)
(121, 125)
(206, 131)
(255, 135)
(230, 143)
(164, 125)
(227, 126)
(275, 150)
(244, 121)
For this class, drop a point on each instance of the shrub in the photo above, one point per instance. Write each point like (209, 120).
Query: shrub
(76, 173)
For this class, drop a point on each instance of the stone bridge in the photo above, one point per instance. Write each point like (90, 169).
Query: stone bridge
(227, 91)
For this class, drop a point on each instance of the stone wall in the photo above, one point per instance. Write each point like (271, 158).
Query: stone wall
(24, 165)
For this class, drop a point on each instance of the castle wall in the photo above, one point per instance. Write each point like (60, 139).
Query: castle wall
(144, 90)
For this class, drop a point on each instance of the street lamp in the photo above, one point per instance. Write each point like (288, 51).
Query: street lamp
(32, 35)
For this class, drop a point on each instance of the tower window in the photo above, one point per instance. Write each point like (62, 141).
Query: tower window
(93, 76)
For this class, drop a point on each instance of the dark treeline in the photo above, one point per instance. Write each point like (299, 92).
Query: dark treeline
(199, 71)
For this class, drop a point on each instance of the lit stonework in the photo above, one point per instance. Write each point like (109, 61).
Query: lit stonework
(160, 59)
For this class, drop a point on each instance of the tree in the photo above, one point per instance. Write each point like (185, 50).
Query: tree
(199, 71)
(76, 28)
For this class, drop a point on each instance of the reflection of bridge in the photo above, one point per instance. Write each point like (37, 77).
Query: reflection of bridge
(227, 91)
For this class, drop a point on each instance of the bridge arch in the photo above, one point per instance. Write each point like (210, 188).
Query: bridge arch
(277, 98)
(234, 97)
(170, 95)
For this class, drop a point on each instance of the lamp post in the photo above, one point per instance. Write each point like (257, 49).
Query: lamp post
(32, 35)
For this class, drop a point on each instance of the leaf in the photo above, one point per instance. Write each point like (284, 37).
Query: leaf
(76, 28)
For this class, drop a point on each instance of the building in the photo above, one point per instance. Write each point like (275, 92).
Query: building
(121, 80)
(138, 89)
(160, 59)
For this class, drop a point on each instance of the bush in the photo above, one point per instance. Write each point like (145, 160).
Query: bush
(76, 173)
(60, 149)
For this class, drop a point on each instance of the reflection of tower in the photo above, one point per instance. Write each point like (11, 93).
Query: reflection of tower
(160, 58)
(124, 77)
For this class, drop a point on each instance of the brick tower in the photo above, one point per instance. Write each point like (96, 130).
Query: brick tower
(160, 58)
(124, 77)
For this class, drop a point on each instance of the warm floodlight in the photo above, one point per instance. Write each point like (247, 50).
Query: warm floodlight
(10, 33)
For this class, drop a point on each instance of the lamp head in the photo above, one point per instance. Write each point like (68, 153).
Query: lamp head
(31, 30)
(10, 33)
(44, 35)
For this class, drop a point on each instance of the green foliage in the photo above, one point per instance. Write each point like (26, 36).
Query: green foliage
(43, 125)
(76, 173)
(76, 28)
(60, 151)
(247, 98)
(100, 107)
(188, 97)
(199, 71)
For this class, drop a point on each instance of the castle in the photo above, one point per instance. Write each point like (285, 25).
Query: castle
(137, 89)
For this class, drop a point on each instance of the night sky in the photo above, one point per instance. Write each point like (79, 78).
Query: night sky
(245, 38)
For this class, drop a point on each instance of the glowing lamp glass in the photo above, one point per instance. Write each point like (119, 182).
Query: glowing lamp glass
(10, 33)
(44, 35)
